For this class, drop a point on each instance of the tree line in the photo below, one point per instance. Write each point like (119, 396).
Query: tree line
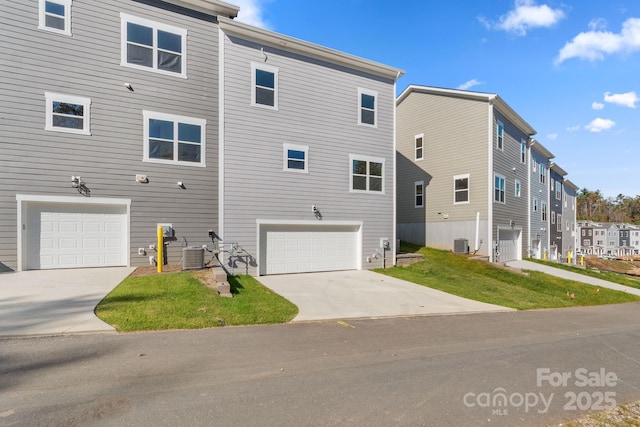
(592, 205)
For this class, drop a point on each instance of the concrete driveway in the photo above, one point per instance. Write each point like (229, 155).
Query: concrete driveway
(354, 294)
(51, 302)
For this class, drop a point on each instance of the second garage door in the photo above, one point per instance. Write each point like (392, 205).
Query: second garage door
(509, 245)
(308, 248)
(67, 235)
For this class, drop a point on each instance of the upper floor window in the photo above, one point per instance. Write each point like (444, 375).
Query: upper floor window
(559, 222)
(523, 151)
(543, 173)
(367, 174)
(264, 83)
(461, 188)
(553, 217)
(535, 205)
(65, 113)
(419, 146)
(419, 191)
(55, 16)
(153, 46)
(174, 139)
(544, 211)
(518, 188)
(498, 186)
(500, 136)
(367, 107)
(558, 190)
(295, 158)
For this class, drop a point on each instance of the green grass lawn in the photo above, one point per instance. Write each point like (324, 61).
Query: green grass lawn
(180, 301)
(622, 279)
(482, 281)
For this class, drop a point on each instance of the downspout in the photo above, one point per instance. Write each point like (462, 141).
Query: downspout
(529, 194)
(490, 242)
(221, 134)
(477, 246)
(394, 250)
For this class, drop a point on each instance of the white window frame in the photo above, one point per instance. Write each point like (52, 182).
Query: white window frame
(264, 67)
(517, 188)
(69, 99)
(415, 145)
(559, 223)
(363, 91)
(125, 18)
(367, 159)
(558, 190)
(543, 211)
(285, 157)
(543, 173)
(553, 217)
(500, 138)
(147, 115)
(503, 189)
(535, 205)
(67, 17)
(467, 190)
(418, 195)
(523, 151)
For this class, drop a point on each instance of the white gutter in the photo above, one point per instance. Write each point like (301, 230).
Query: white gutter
(490, 242)
(221, 134)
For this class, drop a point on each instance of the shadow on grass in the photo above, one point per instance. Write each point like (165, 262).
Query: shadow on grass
(235, 285)
(128, 298)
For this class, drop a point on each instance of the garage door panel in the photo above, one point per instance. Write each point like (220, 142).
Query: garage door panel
(298, 249)
(75, 235)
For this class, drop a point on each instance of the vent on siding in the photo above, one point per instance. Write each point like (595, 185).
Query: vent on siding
(192, 258)
(461, 246)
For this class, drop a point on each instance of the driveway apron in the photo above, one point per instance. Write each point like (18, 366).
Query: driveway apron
(51, 302)
(362, 293)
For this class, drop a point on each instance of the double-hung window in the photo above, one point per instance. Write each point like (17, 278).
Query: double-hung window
(518, 188)
(535, 205)
(419, 192)
(295, 158)
(553, 217)
(264, 84)
(461, 188)
(498, 187)
(558, 190)
(419, 146)
(558, 222)
(366, 174)
(367, 107)
(153, 46)
(523, 151)
(500, 142)
(544, 211)
(65, 113)
(55, 16)
(174, 139)
(543, 173)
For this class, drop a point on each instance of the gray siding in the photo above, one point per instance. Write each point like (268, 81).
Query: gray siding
(455, 143)
(88, 65)
(556, 207)
(318, 108)
(539, 191)
(507, 163)
(569, 220)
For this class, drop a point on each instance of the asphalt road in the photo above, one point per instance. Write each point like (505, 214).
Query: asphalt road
(500, 369)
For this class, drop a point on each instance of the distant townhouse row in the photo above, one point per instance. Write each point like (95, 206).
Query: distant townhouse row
(472, 177)
(121, 116)
(607, 238)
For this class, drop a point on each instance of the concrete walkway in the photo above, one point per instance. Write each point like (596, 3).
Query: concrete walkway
(355, 294)
(569, 275)
(51, 302)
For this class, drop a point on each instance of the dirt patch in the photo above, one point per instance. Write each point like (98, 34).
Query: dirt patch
(612, 265)
(152, 270)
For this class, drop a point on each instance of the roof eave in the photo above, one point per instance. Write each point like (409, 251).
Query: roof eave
(557, 169)
(309, 49)
(209, 7)
(536, 145)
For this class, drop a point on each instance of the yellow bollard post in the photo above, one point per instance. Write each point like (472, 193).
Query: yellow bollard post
(544, 257)
(160, 250)
(569, 257)
(582, 261)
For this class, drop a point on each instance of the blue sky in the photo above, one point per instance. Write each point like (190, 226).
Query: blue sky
(570, 68)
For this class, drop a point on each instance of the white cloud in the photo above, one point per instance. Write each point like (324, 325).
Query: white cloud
(251, 12)
(552, 136)
(598, 125)
(525, 16)
(628, 99)
(469, 84)
(597, 24)
(597, 106)
(574, 128)
(595, 44)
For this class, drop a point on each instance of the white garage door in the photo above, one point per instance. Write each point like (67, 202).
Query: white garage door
(306, 248)
(64, 235)
(508, 245)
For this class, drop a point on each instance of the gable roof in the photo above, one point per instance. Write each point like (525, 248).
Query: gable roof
(536, 145)
(557, 169)
(490, 98)
(308, 49)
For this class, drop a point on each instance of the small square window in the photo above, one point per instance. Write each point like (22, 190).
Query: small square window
(419, 146)
(461, 189)
(153, 46)
(295, 158)
(174, 139)
(366, 174)
(55, 16)
(419, 193)
(65, 113)
(367, 107)
(264, 84)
